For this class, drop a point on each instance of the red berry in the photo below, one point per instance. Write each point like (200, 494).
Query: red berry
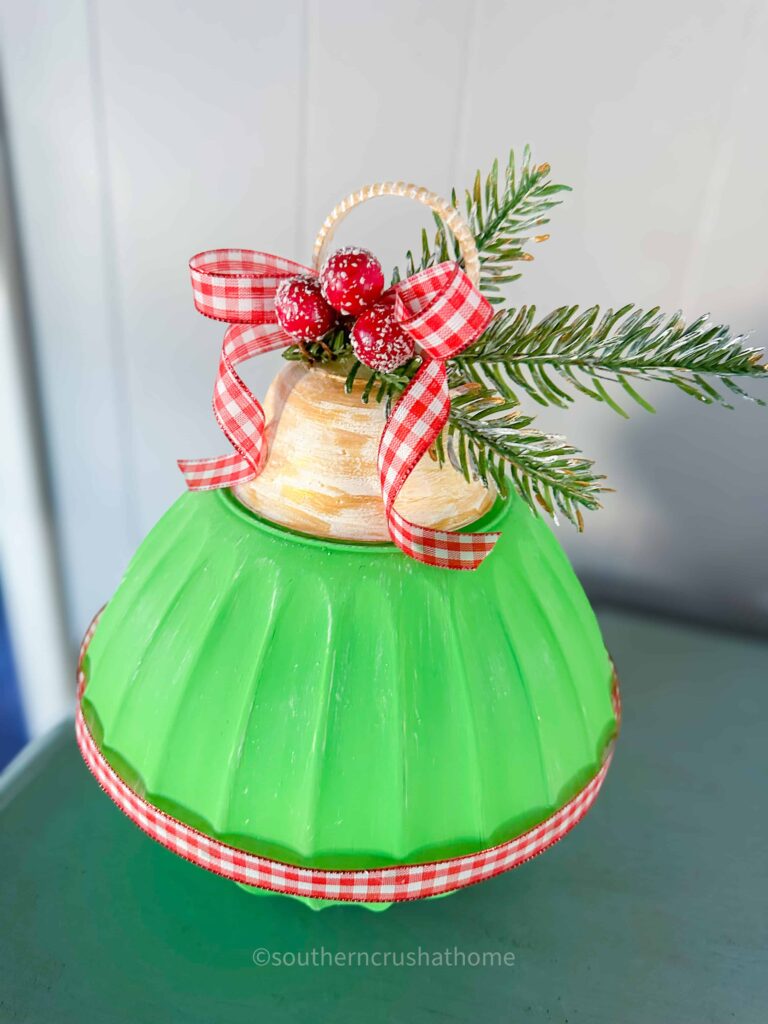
(351, 279)
(379, 341)
(301, 309)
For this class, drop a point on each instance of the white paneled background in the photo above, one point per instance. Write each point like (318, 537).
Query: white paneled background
(143, 132)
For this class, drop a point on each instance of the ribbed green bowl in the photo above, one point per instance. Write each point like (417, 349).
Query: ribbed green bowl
(339, 705)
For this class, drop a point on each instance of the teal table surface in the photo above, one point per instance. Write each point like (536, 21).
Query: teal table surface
(653, 910)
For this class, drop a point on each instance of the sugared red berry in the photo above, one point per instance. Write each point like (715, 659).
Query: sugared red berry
(379, 341)
(301, 309)
(351, 280)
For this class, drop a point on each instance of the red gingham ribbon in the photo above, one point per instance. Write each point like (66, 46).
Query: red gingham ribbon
(238, 286)
(378, 885)
(443, 312)
(439, 308)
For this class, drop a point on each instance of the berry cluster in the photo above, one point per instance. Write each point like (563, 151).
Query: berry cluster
(351, 284)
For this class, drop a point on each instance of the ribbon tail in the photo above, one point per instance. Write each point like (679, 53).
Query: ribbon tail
(414, 425)
(238, 413)
(211, 474)
(441, 548)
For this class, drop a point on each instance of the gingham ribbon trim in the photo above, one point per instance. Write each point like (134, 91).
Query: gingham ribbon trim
(238, 286)
(442, 311)
(380, 885)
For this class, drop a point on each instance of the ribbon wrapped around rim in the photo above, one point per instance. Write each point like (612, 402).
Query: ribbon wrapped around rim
(439, 308)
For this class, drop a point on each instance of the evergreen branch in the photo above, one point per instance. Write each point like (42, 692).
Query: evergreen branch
(504, 220)
(570, 351)
(488, 437)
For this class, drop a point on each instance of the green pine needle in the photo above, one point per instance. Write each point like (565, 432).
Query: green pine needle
(505, 218)
(488, 437)
(570, 352)
(333, 347)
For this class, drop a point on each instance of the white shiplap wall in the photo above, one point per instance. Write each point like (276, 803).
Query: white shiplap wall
(141, 133)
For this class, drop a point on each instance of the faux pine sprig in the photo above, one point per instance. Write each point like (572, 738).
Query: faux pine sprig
(569, 351)
(490, 438)
(505, 217)
(605, 356)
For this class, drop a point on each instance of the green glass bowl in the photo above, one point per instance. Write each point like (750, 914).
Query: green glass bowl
(340, 706)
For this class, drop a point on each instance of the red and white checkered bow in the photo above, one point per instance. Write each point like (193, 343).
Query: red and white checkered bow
(441, 310)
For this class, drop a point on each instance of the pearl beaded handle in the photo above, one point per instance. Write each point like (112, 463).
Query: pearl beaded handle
(448, 214)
